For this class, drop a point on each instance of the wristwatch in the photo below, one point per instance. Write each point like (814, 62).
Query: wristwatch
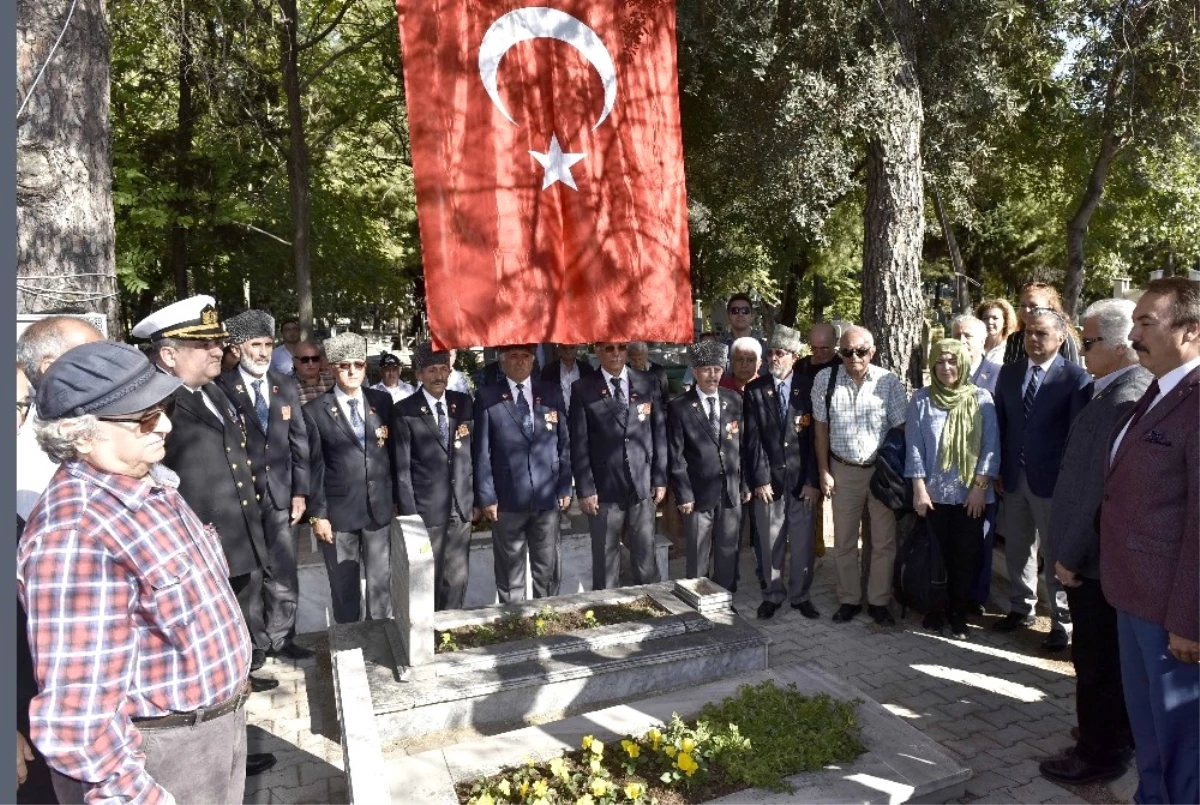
(313, 520)
(981, 485)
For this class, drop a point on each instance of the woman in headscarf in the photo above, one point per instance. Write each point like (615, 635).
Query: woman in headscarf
(953, 455)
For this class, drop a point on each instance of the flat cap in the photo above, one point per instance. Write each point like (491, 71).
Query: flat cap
(708, 353)
(345, 347)
(250, 324)
(103, 378)
(786, 338)
(192, 319)
(388, 359)
(424, 356)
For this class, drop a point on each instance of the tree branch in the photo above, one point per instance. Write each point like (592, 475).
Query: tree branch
(254, 228)
(346, 51)
(316, 40)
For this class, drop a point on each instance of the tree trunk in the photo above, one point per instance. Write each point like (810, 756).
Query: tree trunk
(297, 165)
(184, 132)
(894, 225)
(1110, 146)
(64, 162)
(962, 295)
(790, 306)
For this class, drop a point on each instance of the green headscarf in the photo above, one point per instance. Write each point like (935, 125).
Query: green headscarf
(962, 435)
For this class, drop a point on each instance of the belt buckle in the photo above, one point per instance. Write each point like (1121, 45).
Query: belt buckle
(198, 717)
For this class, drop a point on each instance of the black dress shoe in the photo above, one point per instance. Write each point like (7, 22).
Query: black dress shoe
(881, 615)
(846, 613)
(259, 762)
(807, 610)
(934, 622)
(958, 629)
(258, 658)
(766, 610)
(292, 652)
(762, 583)
(1013, 621)
(260, 685)
(975, 610)
(1057, 641)
(1074, 770)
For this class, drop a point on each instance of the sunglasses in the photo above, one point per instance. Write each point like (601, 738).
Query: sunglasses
(307, 358)
(614, 347)
(741, 310)
(1087, 342)
(146, 421)
(346, 366)
(860, 352)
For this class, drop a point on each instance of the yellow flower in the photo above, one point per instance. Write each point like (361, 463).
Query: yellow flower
(631, 749)
(599, 786)
(670, 750)
(587, 741)
(539, 623)
(594, 765)
(523, 789)
(655, 738)
(504, 788)
(484, 799)
(589, 615)
(540, 788)
(687, 745)
(558, 767)
(633, 791)
(597, 748)
(586, 799)
(685, 764)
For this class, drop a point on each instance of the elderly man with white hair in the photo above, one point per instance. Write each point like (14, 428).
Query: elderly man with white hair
(973, 332)
(745, 360)
(1104, 734)
(854, 415)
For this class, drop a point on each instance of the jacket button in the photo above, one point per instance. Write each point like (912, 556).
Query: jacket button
(239, 484)
(228, 449)
(258, 497)
(245, 503)
(785, 444)
(267, 468)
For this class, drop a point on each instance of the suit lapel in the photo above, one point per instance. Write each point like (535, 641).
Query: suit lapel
(429, 417)
(610, 403)
(510, 405)
(1155, 415)
(330, 402)
(246, 402)
(185, 399)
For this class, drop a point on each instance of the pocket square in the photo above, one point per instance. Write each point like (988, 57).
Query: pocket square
(1156, 437)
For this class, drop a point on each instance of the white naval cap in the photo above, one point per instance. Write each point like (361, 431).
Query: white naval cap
(193, 319)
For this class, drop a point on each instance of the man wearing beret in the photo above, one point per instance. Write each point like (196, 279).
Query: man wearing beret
(704, 430)
(619, 457)
(522, 473)
(389, 367)
(351, 502)
(434, 471)
(781, 468)
(139, 647)
(278, 446)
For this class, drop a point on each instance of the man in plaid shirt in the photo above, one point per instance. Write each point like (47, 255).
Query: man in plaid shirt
(139, 645)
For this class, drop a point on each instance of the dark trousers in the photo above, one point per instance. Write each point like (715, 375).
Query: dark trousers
(1162, 697)
(960, 537)
(248, 588)
(281, 592)
(981, 587)
(786, 527)
(451, 543)
(370, 549)
(711, 538)
(1096, 654)
(637, 518)
(516, 534)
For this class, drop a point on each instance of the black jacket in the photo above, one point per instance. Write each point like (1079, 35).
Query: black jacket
(618, 460)
(659, 373)
(705, 470)
(775, 452)
(432, 477)
(280, 456)
(553, 371)
(216, 476)
(515, 471)
(350, 484)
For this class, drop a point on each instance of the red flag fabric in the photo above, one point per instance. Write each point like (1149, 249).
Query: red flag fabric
(548, 165)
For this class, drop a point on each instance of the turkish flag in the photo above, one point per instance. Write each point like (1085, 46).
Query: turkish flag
(548, 165)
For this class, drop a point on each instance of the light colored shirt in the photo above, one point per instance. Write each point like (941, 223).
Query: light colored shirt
(995, 354)
(208, 403)
(923, 441)
(34, 467)
(565, 378)
(624, 377)
(1166, 384)
(525, 391)
(398, 391)
(281, 360)
(1101, 383)
(248, 380)
(433, 401)
(343, 399)
(1045, 367)
(862, 414)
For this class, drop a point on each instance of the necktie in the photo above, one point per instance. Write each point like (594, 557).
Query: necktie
(783, 403)
(619, 396)
(1031, 390)
(260, 405)
(356, 423)
(523, 410)
(1143, 405)
(714, 422)
(443, 425)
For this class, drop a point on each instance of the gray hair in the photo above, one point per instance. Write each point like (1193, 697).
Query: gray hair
(1040, 312)
(1114, 320)
(965, 321)
(856, 329)
(747, 343)
(57, 437)
(46, 339)
(637, 346)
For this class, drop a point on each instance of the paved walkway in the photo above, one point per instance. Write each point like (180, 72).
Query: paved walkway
(997, 701)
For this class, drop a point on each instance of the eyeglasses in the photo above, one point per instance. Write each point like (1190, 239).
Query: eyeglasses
(22, 408)
(346, 366)
(741, 310)
(614, 348)
(147, 421)
(859, 352)
(307, 358)
(1087, 342)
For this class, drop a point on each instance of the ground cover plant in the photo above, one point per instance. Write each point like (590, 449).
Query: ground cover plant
(548, 621)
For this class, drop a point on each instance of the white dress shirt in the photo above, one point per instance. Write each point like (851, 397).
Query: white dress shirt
(525, 391)
(433, 401)
(1101, 383)
(624, 377)
(208, 403)
(343, 398)
(565, 378)
(248, 381)
(398, 392)
(1029, 374)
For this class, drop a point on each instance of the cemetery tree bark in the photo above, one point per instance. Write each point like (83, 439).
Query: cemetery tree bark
(64, 161)
(298, 167)
(894, 217)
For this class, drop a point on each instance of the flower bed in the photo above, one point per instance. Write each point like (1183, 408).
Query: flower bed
(548, 621)
(754, 739)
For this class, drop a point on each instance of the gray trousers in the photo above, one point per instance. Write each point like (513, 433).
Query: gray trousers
(786, 523)
(202, 765)
(606, 525)
(712, 536)
(517, 533)
(1025, 522)
(451, 542)
(281, 590)
(370, 548)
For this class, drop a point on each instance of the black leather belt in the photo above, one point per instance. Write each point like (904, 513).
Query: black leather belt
(195, 717)
(841, 460)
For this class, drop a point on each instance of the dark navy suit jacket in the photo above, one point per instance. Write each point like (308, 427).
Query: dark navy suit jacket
(705, 469)
(776, 452)
(513, 470)
(1065, 390)
(432, 476)
(619, 460)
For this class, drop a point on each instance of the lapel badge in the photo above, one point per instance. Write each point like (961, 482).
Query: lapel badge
(286, 412)
(424, 410)
(333, 410)
(274, 389)
(457, 445)
(240, 388)
(381, 434)
(551, 418)
(462, 432)
(372, 410)
(505, 396)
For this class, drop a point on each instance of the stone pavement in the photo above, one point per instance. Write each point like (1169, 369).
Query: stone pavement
(997, 701)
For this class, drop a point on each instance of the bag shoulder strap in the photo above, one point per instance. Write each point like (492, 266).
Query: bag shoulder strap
(829, 391)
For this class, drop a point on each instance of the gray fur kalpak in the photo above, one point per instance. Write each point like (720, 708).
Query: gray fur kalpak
(345, 347)
(250, 324)
(708, 353)
(424, 356)
(786, 338)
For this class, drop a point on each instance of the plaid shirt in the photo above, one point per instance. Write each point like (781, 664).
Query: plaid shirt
(862, 415)
(311, 392)
(130, 616)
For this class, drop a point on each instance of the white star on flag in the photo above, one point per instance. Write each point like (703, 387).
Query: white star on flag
(557, 164)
